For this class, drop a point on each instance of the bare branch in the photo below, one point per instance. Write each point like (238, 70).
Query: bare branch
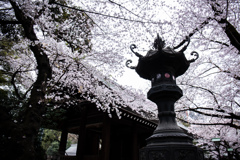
(219, 42)
(29, 89)
(215, 41)
(120, 6)
(226, 71)
(4, 9)
(203, 24)
(9, 22)
(14, 85)
(210, 124)
(229, 29)
(227, 8)
(210, 114)
(205, 71)
(209, 91)
(105, 15)
(50, 89)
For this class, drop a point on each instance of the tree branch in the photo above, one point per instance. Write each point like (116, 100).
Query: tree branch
(211, 124)
(229, 29)
(4, 9)
(203, 24)
(210, 114)
(9, 22)
(209, 91)
(14, 85)
(232, 33)
(49, 90)
(120, 6)
(226, 71)
(26, 22)
(105, 15)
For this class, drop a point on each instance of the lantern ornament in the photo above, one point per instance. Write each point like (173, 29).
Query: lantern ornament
(162, 66)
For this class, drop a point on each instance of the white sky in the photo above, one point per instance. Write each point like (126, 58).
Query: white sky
(131, 78)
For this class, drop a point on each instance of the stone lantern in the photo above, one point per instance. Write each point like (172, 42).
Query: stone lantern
(162, 66)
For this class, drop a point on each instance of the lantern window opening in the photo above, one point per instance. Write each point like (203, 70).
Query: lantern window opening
(167, 75)
(159, 76)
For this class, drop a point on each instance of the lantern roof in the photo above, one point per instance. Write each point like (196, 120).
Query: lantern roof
(162, 59)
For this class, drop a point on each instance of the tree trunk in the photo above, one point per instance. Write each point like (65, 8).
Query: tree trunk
(228, 28)
(232, 33)
(32, 116)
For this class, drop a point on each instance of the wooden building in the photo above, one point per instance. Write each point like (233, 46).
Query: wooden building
(102, 137)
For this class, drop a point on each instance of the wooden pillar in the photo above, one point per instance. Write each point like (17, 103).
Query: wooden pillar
(106, 133)
(134, 143)
(63, 142)
(82, 135)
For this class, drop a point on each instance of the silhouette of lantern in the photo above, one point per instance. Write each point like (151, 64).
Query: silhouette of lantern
(162, 66)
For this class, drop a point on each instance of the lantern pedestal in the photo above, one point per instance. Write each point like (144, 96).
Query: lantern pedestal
(171, 152)
(169, 141)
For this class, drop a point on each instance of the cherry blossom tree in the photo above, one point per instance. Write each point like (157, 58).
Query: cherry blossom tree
(211, 85)
(211, 101)
(31, 66)
(44, 62)
(54, 50)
